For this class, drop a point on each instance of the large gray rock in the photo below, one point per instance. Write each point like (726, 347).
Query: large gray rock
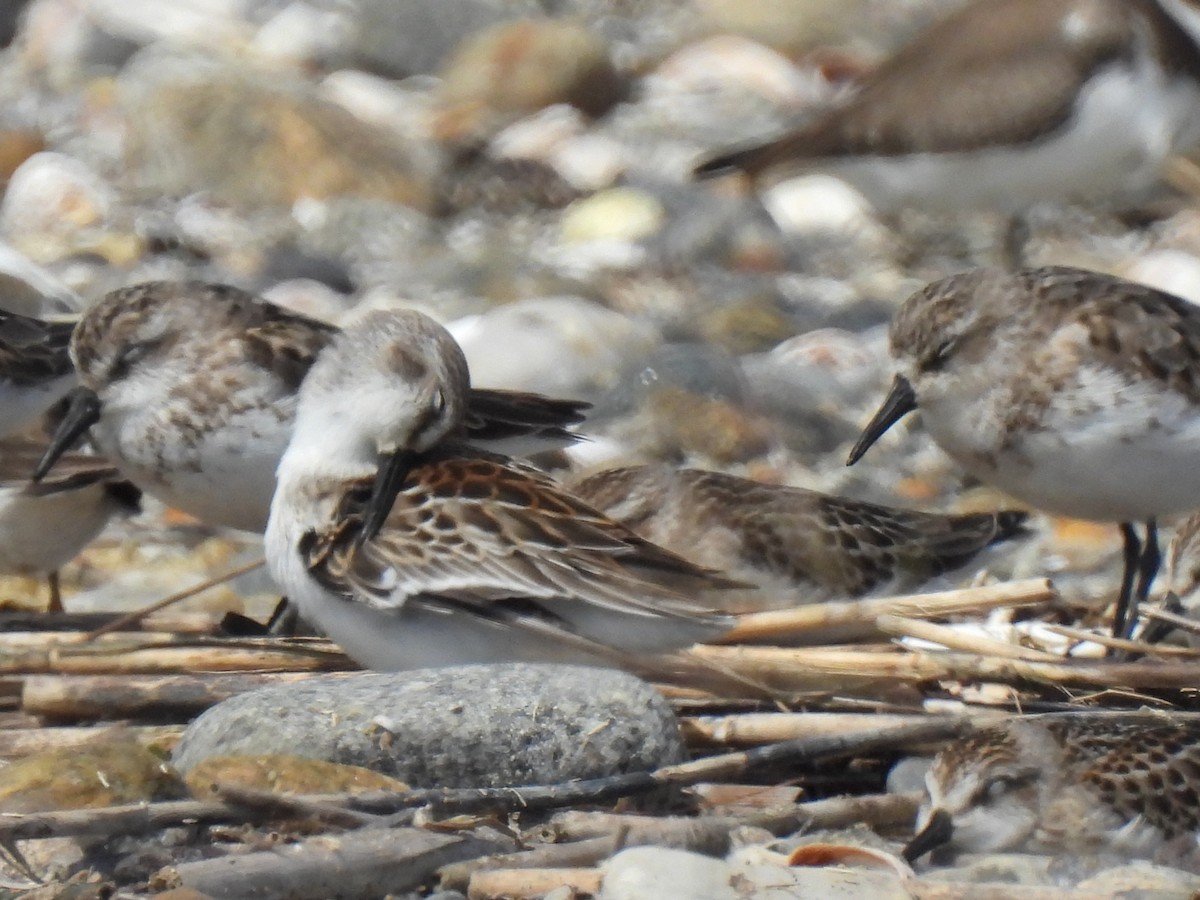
(466, 726)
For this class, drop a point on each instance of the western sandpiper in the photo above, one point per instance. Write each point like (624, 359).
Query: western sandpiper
(411, 548)
(1067, 783)
(44, 526)
(35, 368)
(1077, 392)
(1006, 103)
(797, 545)
(190, 388)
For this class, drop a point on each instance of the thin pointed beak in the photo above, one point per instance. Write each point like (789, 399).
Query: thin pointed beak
(82, 412)
(899, 403)
(937, 832)
(388, 481)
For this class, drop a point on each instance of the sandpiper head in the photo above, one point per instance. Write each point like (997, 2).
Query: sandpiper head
(936, 336)
(397, 376)
(982, 796)
(122, 337)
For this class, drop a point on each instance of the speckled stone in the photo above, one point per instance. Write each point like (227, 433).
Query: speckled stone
(462, 726)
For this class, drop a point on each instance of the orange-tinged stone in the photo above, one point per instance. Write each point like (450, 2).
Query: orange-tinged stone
(917, 489)
(1080, 531)
(282, 773)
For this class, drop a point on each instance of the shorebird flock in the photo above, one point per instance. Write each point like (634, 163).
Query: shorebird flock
(388, 491)
(398, 523)
(404, 515)
(398, 520)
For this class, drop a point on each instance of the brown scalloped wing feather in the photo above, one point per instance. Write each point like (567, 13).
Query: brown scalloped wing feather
(476, 530)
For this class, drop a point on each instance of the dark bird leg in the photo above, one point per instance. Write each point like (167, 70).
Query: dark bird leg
(1147, 568)
(56, 605)
(1142, 559)
(1133, 555)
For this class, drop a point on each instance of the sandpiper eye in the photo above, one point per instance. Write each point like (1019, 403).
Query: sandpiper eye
(130, 357)
(937, 360)
(995, 788)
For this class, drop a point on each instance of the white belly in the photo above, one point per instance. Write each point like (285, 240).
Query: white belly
(39, 535)
(224, 476)
(1135, 461)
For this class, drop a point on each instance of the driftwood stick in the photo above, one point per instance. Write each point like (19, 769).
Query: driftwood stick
(726, 765)
(953, 890)
(572, 854)
(826, 669)
(698, 833)
(957, 639)
(129, 620)
(518, 884)
(136, 818)
(175, 623)
(368, 863)
(1183, 623)
(140, 657)
(750, 729)
(133, 696)
(267, 805)
(18, 742)
(830, 669)
(857, 618)
(524, 884)
(1139, 647)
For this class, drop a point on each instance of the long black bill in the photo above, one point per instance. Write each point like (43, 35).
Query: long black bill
(899, 403)
(80, 410)
(388, 481)
(937, 831)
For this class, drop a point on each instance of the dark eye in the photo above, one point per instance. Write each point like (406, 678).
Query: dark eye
(936, 361)
(996, 787)
(130, 357)
(438, 402)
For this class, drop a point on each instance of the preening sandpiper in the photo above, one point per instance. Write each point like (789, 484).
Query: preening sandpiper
(410, 547)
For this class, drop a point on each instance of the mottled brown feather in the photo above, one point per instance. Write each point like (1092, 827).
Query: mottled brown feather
(33, 351)
(477, 531)
(1128, 327)
(846, 546)
(281, 343)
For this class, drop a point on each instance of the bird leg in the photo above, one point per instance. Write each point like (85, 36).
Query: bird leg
(1148, 565)
(1142, 559)
(1133, 555)
(55, 605)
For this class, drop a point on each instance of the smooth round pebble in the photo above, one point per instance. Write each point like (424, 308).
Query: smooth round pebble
(620, 213)
(669, 874)
(561, 346)
(463, 726)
